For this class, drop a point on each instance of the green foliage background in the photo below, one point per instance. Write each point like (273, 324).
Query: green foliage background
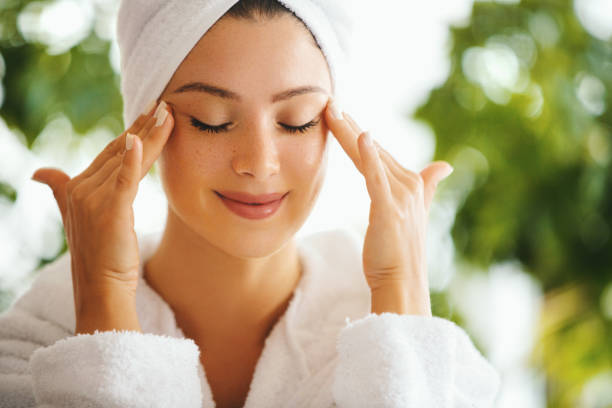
(545, 195)
(542, 191)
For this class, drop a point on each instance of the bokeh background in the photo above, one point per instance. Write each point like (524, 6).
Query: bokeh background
(516, 95)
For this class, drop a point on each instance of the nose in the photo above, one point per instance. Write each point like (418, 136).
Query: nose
(256, 155)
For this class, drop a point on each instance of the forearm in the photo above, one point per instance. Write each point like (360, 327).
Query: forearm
(395, 298)
(107, 311)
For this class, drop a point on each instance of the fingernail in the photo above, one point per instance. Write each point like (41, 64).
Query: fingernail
(367, 138)
(161, 118)
(160, 107)
(335, 110)
(129, 141)
(149, 107)
(161, 113)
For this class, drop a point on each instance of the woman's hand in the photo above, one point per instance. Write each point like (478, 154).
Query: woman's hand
(394, 259)
(96, 209)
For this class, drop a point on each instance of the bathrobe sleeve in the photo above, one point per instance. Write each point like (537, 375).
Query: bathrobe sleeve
(392, 360)
(44, 365)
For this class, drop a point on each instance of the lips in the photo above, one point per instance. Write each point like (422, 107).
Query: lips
(250, 198)
(253, 211)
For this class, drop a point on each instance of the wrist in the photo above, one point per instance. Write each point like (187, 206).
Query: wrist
(106, 310)
(396, 298)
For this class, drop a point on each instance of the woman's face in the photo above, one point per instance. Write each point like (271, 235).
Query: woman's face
(254, 152)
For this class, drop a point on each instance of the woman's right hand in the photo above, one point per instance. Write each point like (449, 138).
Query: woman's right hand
(96, 209)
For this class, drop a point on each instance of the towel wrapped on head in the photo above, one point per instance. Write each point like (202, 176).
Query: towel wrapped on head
(154, 37)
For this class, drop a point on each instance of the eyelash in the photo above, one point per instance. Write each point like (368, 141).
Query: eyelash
(222, 128)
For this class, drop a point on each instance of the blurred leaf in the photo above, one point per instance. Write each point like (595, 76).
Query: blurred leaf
(539, 158)
(8, 192)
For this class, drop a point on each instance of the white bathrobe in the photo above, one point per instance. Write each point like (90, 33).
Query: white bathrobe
(326, 350)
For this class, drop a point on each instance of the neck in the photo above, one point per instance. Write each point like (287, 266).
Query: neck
(214, 293)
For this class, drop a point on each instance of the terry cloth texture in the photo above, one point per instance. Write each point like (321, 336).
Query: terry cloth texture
(326, 349)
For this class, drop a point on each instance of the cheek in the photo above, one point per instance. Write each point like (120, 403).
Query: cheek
(304, 159)
(188, 159)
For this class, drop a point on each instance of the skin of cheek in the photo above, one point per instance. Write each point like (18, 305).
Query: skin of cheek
(193, 163)
(306, 164)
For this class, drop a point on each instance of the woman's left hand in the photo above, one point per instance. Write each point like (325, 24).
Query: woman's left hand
(394, 259)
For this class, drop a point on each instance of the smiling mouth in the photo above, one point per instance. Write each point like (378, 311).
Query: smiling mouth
(241, 202)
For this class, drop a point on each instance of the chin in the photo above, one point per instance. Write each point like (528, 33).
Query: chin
(254, 244)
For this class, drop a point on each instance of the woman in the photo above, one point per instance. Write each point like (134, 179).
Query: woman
(224, 308)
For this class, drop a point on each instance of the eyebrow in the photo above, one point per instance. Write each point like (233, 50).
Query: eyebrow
(227, 94)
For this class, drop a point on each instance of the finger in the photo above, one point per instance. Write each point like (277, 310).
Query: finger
(150, 122)
(374, 173)
(432, 175)
(142, 118)
(56, 180)
(404, 177)
(344, 133)
(352, 123)
(156, 139)
(104, 173)
(128, 174)
(397, 184)
(394, 182)
(398, 172)
(153, 138)
(116, 146)
(395, 168)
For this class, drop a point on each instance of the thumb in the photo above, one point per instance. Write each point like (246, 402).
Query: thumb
(432, 175)
(56, 180)
(128, 177)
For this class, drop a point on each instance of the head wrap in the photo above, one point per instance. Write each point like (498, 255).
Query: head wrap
(154, 36)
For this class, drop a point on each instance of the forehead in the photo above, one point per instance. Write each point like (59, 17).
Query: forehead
(254, 58)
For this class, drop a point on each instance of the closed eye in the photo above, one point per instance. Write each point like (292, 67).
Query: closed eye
(222, 128)
(303, 128)
(208, 128)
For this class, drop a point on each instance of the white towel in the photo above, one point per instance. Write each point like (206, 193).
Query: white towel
(154, 37)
